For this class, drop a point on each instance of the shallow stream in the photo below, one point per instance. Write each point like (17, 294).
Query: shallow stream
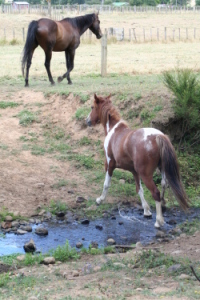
(122, 230)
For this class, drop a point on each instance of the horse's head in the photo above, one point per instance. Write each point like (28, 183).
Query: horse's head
(95, 27)
(95, 115)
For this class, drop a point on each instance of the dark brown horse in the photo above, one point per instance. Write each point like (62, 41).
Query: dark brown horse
(139, 151)
(58, 36)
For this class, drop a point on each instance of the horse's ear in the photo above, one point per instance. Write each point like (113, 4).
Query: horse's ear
(96, 99)
(108, 97)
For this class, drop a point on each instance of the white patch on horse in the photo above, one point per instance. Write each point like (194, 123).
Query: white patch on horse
(108, 137)
(159, 217)
(106, 186)
(150, 131)
(145, 205)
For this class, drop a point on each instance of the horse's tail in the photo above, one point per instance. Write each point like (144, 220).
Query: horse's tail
(29, 44)
(169, 166)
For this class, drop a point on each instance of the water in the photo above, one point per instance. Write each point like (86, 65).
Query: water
(123, 231)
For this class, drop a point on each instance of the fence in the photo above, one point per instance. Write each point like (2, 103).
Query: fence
(58, 10)
(134, 35)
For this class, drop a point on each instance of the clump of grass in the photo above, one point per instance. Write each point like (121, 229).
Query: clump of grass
(57, 206)
(5, 104)
(64, 253)
(26, 117)
(4, 278)
(82, 113)
(84, 141)
(59, 184)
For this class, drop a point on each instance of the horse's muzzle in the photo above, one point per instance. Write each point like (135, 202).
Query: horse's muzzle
(99, 36)
(89, 123)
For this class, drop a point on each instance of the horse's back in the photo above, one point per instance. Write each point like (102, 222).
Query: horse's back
(142, 147)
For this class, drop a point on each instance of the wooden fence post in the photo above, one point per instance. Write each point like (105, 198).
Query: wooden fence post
(104, 54)
(23, 34)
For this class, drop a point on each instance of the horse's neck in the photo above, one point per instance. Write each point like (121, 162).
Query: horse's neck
(84, 24)
(110, 125)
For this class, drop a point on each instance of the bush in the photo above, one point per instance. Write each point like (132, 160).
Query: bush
(185, 87)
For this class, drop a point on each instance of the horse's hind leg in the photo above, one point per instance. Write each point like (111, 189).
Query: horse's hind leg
(48, 55)
(69, 55)
(148, 181)
(163, 185)
(28, 65)
(140, 191)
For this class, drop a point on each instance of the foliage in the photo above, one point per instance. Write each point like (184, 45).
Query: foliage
(64, 253)
(82, 113)
(185, 86)
(57, 206)
(4, 278)
(26, 117)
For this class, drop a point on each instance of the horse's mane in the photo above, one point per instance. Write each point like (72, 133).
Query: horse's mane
(108, 109)
(81, 21)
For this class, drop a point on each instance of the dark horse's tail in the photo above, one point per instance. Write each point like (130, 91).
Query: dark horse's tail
(30, 44)
(169, 166)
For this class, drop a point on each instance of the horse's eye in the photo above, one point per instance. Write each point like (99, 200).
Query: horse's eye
(92, 107)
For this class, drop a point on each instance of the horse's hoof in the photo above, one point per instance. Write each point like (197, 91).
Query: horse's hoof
(148, 216)
(52, 83)
(60, 79)
(69, 82)
(26, 85)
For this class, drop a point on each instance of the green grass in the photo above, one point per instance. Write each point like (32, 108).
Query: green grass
(6, 104)
(64, 253)
(27, 117)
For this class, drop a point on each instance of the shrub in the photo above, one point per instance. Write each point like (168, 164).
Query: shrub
(185, 87)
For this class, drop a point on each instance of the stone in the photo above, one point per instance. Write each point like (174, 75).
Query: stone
(42, 212)
(174, 268)
(99, 227)
(30, 246)
(26, 228)
(79, 245)
(21, 232)
(160, 234)
(183, 235)
(80, 199)
(40, 185)
(41, 231)
(6, 225)
(49, 260)
(85, 222)
(94, 244)
(138, 245)
(75, 273)
(8, 218)
(184, 276)
(15, 224)
(111, 241)
(21, 257)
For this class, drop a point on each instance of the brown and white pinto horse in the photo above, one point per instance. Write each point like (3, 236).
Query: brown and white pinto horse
(139, 151)
(57, 36)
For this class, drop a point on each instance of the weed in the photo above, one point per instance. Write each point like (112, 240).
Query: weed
(26, 117)
(190, 227)
(64, 253)
(57, 206)
(3, 147)
(32, 259)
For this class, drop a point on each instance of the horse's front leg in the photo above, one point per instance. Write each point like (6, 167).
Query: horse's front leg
(69, 56)
(106, 186)
(109, 171)
(48, 55)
